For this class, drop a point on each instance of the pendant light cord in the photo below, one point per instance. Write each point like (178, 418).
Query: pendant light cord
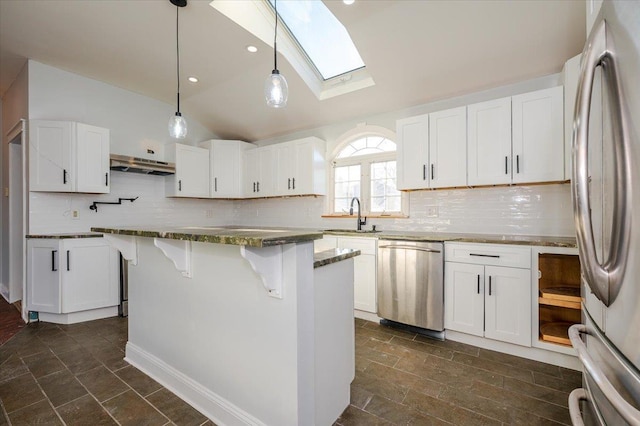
(178, 54)
(275, 37)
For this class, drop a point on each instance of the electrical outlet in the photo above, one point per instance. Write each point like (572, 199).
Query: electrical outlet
(432, 211)
(75, 214)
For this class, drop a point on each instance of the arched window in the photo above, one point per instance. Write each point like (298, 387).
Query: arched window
(364, 166)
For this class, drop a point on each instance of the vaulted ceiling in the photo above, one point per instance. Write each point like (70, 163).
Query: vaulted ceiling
(416, 51)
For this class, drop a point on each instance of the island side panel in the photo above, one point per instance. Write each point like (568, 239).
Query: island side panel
(334, 339)
(221, 330)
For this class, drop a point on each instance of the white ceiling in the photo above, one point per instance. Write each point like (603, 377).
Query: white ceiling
(417, 51)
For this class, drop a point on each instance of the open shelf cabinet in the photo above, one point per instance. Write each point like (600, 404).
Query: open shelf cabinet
(558, 296)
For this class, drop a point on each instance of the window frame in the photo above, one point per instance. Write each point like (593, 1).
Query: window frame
(365, 162)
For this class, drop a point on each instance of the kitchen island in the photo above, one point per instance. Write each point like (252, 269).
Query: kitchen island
(242, 323)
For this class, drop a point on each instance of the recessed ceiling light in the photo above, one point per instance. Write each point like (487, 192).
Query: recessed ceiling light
(347, 2)
(193, 79)
(252, 49)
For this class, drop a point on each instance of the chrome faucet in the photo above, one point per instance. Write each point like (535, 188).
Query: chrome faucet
(360, 222)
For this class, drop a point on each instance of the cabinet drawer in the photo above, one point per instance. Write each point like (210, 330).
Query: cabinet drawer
(489, 254)
(365, 245)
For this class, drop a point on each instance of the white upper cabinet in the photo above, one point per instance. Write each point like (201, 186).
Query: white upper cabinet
(259, 172)
(489, 142)
(538, 141)
(432, 150)
(92, 159)
(226, 167)
(300, 167)
(192, 171)
(412, 152)
(448, 148)
(66, 156)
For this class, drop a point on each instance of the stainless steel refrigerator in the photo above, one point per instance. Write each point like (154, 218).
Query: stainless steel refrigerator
(606, 201)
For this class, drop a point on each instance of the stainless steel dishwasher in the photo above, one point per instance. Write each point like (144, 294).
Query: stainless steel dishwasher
(410, 283)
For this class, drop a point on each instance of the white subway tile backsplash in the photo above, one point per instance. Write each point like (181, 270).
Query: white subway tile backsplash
(525, 210)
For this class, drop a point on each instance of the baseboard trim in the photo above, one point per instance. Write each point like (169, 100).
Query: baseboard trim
(212, 405)
(82, 316)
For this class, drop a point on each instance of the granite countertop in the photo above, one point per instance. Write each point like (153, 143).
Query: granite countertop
(327, 257)
(530, 240)
(65, 235)
(242, 236)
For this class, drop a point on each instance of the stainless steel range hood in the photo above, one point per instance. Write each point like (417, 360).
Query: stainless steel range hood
(125, 163)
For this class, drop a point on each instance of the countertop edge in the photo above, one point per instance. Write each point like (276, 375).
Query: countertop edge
(328, 257)
(64, 236)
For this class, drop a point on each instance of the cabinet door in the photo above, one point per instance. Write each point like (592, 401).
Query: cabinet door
(268, 172)
(92, 159)
(285, 168)
(508, 304)
(464, 298)
(226, 179)
(50, 160)
(192, 171)
(538, 148)
(43, 276)
(89, 274)
(413, 152)
(448, 148)
(489, 142)
(251, 172)
(364, 285)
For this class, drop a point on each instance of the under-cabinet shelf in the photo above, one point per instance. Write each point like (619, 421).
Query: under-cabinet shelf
(556, 332)
(562, 296)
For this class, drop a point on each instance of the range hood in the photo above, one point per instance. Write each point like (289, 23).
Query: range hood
(125, 163)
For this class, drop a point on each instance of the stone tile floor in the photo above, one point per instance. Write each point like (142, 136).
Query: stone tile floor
(76, 375)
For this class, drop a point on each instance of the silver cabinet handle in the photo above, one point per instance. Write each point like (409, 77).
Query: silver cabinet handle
(575, 397)
(604, 278)
(410, 248)
(626, 410)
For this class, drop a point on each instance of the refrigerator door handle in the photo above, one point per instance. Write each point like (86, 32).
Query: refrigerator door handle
(626, 410)
(575, 397)
(603, 278)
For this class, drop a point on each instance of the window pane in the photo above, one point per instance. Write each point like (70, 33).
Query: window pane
(367, 145)
(354, 172)
(321, 36)
(341, 205)
(385, 196)
(341, 174)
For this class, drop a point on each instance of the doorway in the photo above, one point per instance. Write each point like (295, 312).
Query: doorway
(18, 200)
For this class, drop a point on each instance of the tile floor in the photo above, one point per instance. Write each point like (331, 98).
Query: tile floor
(75, 375)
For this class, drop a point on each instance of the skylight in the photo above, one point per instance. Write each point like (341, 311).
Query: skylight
(321, 36)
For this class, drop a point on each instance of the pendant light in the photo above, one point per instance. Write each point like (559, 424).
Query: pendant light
(276, 90)
(177, 123)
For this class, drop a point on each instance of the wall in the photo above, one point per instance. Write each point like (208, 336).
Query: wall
(136, 123)
(530, 210)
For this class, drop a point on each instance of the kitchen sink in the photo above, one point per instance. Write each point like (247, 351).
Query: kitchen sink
(352, 231)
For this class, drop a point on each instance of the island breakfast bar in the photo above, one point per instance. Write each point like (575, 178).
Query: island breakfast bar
(244, 324)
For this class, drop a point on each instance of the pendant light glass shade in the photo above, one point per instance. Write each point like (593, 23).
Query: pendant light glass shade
(276, 90)
(177, 126)
(177, 123)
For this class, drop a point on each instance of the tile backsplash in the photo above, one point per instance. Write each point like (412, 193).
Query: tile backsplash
(524, 210)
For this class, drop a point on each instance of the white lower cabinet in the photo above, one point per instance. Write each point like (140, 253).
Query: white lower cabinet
(364, 285)
(71, 275)
(485, 299)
